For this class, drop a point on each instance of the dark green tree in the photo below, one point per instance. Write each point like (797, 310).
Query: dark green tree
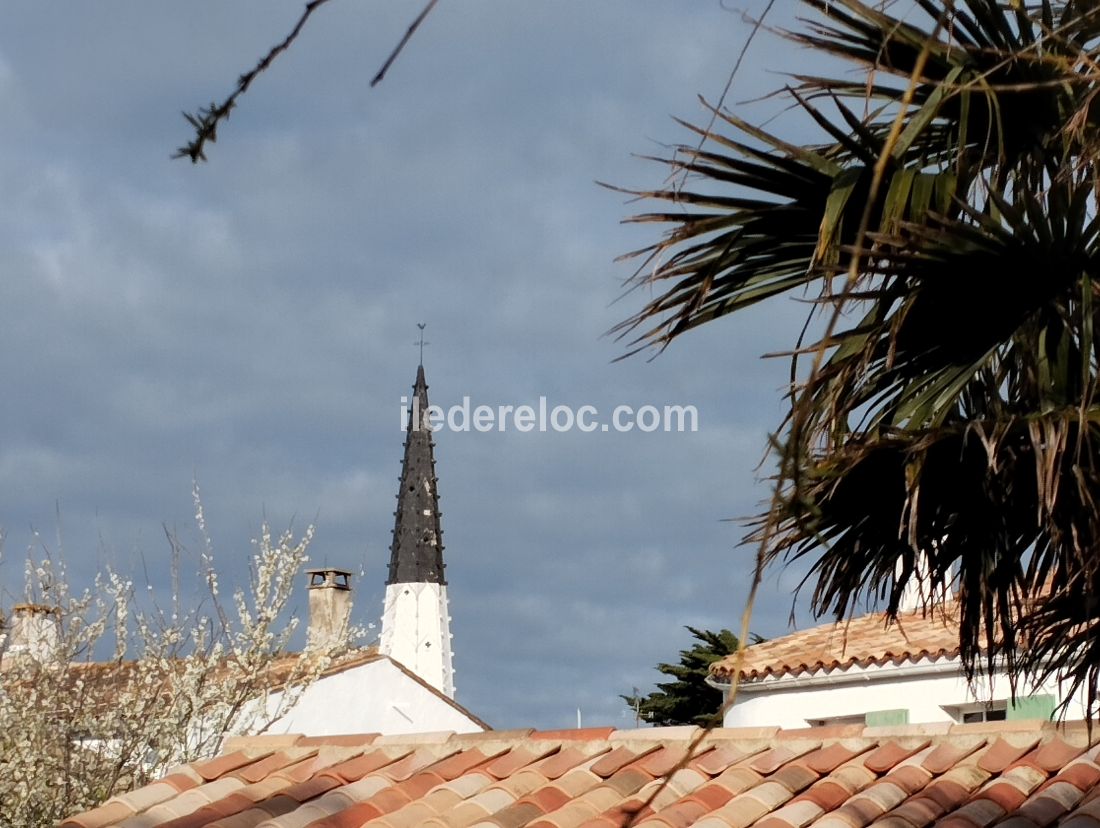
(944, 221)
(688, 699)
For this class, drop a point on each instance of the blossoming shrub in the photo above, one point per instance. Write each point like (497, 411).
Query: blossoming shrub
(111, 695)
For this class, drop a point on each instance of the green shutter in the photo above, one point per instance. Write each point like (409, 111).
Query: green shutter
(1031, 707)
(878, 718)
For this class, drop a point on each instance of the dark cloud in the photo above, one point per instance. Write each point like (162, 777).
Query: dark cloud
(250, 321)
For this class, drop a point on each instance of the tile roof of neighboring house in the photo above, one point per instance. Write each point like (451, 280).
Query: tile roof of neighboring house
(1010, 774)
(864, 641)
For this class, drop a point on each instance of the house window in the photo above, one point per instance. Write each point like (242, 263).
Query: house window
(996, 711)
(1025, 707)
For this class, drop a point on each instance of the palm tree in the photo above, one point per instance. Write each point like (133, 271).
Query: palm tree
(947, 225)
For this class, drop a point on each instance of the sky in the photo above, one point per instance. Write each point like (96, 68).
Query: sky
(249, 323)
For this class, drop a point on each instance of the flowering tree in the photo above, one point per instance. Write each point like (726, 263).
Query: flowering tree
(108, 695)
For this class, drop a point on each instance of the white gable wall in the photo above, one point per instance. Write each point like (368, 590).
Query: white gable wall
(376, 697)
(923, 689)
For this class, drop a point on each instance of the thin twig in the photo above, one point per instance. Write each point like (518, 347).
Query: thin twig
(206, 120)
(408, 35)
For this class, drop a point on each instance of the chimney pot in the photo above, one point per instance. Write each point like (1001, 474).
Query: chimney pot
(34, 632)
(329, 606)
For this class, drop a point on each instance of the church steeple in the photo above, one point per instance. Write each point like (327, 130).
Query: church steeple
(416, 555)
(416, 621)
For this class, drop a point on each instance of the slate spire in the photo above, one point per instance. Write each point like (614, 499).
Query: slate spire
(416, 555)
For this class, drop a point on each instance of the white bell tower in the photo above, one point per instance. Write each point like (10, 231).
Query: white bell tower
(416, 623)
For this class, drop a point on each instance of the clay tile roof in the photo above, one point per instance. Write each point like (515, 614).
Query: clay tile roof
(864, 641)
(998, 775)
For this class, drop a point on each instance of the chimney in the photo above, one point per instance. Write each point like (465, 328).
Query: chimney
(34, 632)
(329, 606)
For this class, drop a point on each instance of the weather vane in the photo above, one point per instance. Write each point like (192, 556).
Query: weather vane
(422, 343)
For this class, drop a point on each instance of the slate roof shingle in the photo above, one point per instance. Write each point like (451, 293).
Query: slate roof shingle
(868, 640)
(1003, 774)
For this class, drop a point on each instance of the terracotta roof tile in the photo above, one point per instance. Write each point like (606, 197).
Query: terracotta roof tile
(629, 780)
(1026, 777)
(618, 758)
(1056, 754)
(717, 760)
(148, 796)
(741, 811)
(861, 809)
(107, 814)
(1002, 753)
(831, 756)
(946, 794)
(1043, 810)
(517, 758)
(1083, 774)
(213, 768)
(946, 755)
(666, 758)
(773, 759)
(1008, 797)
(918, 811)
(466, 785)
(686, 780)
(905, 777)
(828, 794)
(588, 734)
(568, 758)
(351, 770)
(855, 776)
(1089, 809)
(864, 641)
(970, 777)
(261, 790)
(577, 781)
(520, 784)
(349, 740)
(183, 781)
(889, 754)
(1081, 821)
(982, 811)
(457, 764)
(798, 814)
(910, 778)
(772, 794)
(276, 761)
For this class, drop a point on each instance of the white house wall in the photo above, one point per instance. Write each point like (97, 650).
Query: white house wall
(376, 697)
(791, 702)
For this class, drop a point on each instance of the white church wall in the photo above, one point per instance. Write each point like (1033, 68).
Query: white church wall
(377, 697)
(930, 692)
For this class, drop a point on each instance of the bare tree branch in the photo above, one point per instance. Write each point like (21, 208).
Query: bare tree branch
(205, 120)
(411, 31)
